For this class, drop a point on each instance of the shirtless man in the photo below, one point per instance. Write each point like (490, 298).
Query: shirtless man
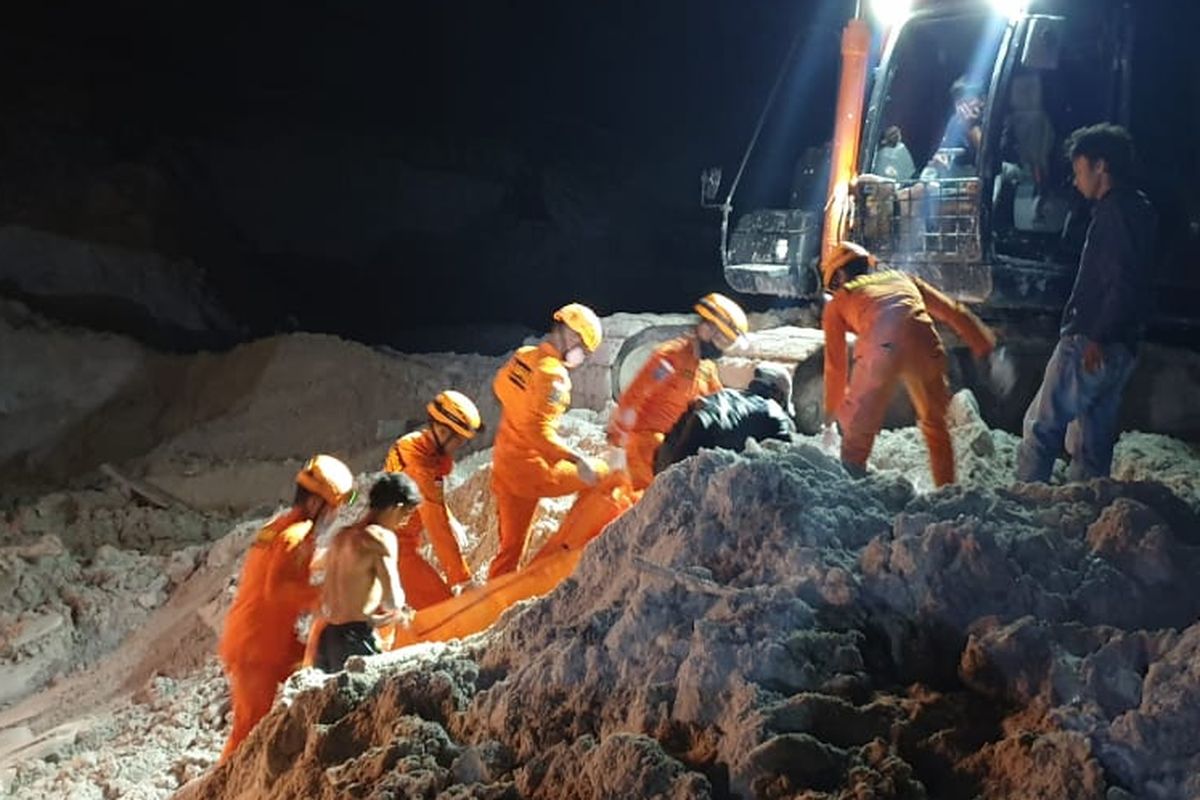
(362, 587)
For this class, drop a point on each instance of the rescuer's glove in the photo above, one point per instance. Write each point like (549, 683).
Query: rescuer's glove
(1002, 373)
(831, 440)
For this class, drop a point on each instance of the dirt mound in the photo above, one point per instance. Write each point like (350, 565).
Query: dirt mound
(112, 287)
(987, 457)
(219, 430)
(85, 520)
(763, 626)
(145, 747)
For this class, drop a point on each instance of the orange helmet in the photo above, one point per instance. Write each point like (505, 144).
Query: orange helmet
(843, 254)
(583, 321)
(326, 477)
(725, 314)
(456, 411)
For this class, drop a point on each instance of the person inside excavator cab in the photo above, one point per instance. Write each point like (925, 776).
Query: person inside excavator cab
(258, 644)
(677, 373)
(956, 155)
(892, 314)
(530, 460)
(427, 457)
(361, 591)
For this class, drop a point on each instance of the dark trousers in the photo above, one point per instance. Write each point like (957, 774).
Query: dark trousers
(339, 642)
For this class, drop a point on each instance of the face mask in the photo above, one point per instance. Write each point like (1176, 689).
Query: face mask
(574, 357)
(324, 522)
(709, 350)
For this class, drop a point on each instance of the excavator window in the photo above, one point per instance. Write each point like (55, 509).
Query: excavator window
(919, 202)
(936, 83)
(1036, 212)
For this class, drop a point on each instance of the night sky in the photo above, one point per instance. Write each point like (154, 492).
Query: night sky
(371, 167)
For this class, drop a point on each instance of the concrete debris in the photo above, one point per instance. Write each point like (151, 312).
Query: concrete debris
(60, 612)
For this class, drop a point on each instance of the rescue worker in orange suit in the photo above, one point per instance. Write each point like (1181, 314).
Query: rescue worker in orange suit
(892, 314)
(258, 645)
(679, 372)
(529, 458)
(427, 456)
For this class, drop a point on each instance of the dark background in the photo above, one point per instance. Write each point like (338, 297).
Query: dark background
(369, 168)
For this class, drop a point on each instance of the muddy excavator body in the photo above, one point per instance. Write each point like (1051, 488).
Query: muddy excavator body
(992, 217)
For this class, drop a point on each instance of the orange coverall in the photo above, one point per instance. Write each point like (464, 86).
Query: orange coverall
(892, 314)
(668, 382)
(417, 456)
(529, 459)
(258, 645)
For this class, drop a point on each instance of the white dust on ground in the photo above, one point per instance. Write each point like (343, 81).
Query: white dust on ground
(64, 610)
(724, 625)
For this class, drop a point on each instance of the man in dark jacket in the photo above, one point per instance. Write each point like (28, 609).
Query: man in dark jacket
(1104, 320)
(763, 410)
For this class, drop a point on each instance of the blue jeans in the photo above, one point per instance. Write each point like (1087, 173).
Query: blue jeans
(1076, 409)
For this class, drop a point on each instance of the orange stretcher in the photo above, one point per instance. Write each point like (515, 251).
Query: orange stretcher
(478, 607)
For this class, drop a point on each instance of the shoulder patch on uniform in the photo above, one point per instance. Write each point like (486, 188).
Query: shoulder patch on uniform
(663, 370)
(560, 391)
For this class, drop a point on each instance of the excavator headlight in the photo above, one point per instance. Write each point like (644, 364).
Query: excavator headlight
(890, 13)
(1012, 9)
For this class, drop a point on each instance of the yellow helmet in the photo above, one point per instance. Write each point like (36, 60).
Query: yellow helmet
(326, 477)
(724, 313)
(843, 254)
(583, 321)
(456, 411)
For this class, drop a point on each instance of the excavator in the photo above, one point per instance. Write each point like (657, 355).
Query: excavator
(947, 152)
(947, 160)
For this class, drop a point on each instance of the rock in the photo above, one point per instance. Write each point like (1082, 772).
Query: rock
(34, 628)
(1042, 767)
(13, 739)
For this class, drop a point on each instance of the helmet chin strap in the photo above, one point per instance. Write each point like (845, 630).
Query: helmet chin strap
(437, 440)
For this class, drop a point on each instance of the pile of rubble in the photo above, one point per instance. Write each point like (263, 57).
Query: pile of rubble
(760, 625)
(219, 431)
(124, 608)
(763, 626)
(79, 571)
